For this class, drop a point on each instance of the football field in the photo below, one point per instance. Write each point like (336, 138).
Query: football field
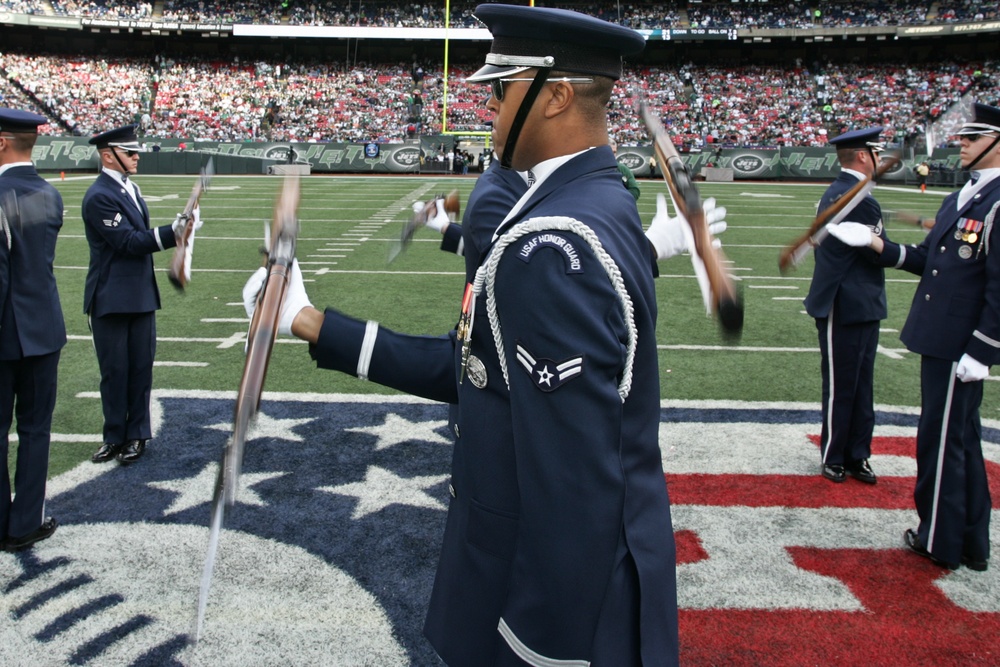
(329, 554)
(348, 225)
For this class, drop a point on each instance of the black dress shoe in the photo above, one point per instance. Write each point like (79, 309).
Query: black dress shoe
(108, 451)
(861, 471)
(976, 565)
(42, 532)
(913, 542)
(834, 473)
(132, 452)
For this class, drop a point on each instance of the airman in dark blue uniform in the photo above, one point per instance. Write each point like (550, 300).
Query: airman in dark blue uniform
(954, 325)
(32, 331)
(847, 299)
(558, 547)
(121, 296)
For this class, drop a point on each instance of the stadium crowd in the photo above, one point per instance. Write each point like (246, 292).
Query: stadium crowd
(657, 15)
(319, 101)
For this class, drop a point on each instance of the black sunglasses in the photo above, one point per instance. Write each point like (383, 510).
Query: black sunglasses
(977, 136)
(496, 85)
(128, 152)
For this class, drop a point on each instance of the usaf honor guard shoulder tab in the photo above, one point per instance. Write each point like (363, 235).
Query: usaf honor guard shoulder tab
(549, 375)
(531, 244)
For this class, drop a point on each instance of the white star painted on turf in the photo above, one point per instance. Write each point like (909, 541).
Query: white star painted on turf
(545, 376)
(396, 429)
(199, 490)
(381, 488)
(269, 427)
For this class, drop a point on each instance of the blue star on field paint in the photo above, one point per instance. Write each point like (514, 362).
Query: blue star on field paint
(329, 554)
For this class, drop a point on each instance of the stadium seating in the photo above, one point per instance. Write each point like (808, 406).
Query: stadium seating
(317, 101)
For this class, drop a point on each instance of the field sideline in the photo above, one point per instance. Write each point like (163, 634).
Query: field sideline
(349, 223)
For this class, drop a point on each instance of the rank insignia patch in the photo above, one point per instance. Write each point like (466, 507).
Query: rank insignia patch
(549, 375)
(115, 222)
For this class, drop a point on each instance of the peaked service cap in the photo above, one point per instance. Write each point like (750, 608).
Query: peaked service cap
(568, 41)
(866, 138)
(120, 137)
(15, 120)
(984, 119)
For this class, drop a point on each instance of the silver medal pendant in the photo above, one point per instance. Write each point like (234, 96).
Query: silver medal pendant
(476, 372)
(965, 252)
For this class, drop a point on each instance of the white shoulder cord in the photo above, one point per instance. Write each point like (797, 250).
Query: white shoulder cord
(486, 276)
(988, 227)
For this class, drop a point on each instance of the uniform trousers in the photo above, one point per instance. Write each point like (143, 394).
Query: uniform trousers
(126, 346)
(27, 385)
(952, 494)
(848, 369)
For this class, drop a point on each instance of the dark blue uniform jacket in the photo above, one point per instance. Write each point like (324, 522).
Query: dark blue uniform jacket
(120, 278)
(32, 319)
(558, 486)
(956, 308)
(847, 279)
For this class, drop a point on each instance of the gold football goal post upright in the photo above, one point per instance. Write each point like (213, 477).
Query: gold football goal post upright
(444, 103)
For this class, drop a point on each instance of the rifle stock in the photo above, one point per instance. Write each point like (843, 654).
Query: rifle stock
(793, 253)
(260, 341)
(727, 303)
(177, 273)
(419, 219)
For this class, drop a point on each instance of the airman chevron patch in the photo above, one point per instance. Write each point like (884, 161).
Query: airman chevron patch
(549, 375)
(115, 222)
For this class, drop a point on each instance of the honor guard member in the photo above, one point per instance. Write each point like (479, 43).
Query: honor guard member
(498, 189)
(32, 331)
(847, 299)
(954, 324)
(558, 547)
(121, 296)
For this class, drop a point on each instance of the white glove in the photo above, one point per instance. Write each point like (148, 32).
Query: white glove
(970, 370)
(195, 220)
(851, 233)
(668, 235)
(440, 219)
(715, 217)
(188, 254)
(295, 296)
(252, 289)
(295, 299)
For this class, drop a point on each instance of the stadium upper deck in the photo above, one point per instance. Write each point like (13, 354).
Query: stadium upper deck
(203, 82)
(640, 15)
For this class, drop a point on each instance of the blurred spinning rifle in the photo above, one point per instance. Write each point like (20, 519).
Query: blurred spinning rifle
(726, 301)
(793, 254)
(280, 253)
(180, 264)
(420, 218)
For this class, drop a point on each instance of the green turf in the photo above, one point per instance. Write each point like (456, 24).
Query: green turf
(776, 360)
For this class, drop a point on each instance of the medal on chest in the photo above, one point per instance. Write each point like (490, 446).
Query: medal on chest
(971, 232)
(968, 230)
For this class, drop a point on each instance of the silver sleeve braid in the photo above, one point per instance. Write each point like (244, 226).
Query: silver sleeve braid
(486, 277)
